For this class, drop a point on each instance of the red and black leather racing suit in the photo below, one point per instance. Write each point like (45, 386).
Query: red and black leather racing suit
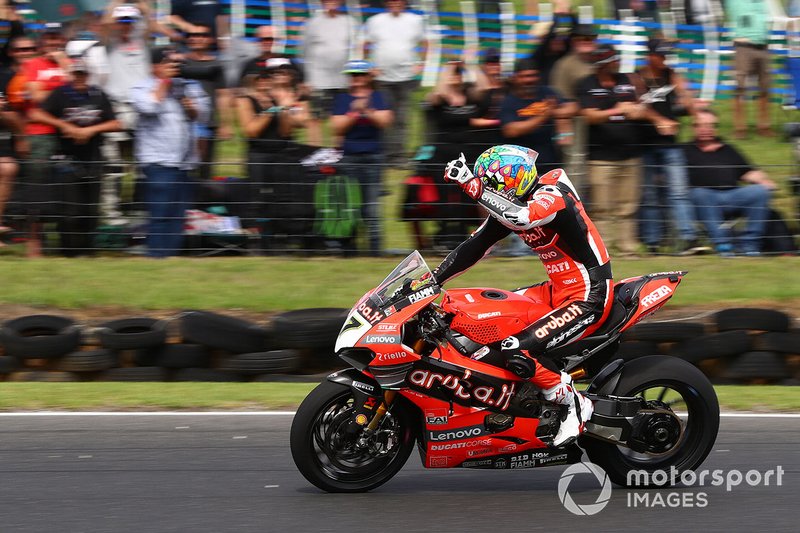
(553, 223)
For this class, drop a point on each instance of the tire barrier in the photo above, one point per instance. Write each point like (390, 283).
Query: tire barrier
(739, 345)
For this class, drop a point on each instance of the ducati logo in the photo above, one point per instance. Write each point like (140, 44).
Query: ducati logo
(510, 343)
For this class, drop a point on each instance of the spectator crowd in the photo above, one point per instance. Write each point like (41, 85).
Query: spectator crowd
(99, 123)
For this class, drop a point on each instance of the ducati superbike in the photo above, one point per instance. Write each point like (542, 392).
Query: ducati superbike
(423, 372)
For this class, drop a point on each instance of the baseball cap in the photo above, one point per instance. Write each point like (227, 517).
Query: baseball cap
(278, 62)
(160, 53)
(357, 66)
(78, 65)
(126, 13)
(52, 27)
(584, 30)
(604, 54)
(659, 47)
(525, 63)
(491, 55)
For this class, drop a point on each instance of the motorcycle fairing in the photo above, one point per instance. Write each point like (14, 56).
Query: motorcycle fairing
(491, 315)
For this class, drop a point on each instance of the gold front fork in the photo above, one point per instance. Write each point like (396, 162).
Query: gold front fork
(388, 398)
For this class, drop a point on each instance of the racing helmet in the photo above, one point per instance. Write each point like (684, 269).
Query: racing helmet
(508, 169)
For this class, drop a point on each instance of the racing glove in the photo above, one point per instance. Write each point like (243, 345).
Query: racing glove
(458, 171)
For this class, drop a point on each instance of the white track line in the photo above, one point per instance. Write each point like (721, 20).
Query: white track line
(276, 413)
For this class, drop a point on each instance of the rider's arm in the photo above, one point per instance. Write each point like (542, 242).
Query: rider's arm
(470, 251)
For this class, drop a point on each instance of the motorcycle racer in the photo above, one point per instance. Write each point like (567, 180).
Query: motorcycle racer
(548, 215)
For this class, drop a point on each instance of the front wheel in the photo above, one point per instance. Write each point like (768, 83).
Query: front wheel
(670, 383)
(336, 461)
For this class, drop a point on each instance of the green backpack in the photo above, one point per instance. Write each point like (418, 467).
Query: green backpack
(337, 202)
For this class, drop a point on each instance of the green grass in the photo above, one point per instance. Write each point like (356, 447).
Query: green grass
(99, 396)
(94, 396)
(278, 284)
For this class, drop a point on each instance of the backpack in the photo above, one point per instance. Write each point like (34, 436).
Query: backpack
(778, 238)
(337, 205)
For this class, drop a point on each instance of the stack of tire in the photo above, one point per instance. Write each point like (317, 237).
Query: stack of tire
(195, 346)
(739, 345)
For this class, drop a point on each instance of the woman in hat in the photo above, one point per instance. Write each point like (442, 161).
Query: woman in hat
(269, 112)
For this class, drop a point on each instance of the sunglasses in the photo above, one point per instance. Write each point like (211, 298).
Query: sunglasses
(263, 39)
(25, 49)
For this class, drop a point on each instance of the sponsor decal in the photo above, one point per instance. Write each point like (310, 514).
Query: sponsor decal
(558, 339)
(361, 420)
(554, 459)
(656, 296)
(366, 387)
(438, 462)
(474, 188)
(462, 388)
(491, 199)
(570, 313)
(529, 456)
(388, 328)
(421, 295)
(509, 343)
(544, 203)
(391, 356)
(373, 316)
(370, 403)
(436, 417)
(530, 460)
(478, 453)
(477, 464)
(391, 310)
(555, 268)
(501, 463)
(481, 353)
(537, 237)
(460, 445)
(457, 433)
(509, 448)
(549, 254)
(488, 315)
(570, 281)
(382, 339)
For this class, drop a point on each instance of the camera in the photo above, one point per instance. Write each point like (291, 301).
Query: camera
(178, 90)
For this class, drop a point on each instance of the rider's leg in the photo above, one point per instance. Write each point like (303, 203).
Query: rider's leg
(561, 326)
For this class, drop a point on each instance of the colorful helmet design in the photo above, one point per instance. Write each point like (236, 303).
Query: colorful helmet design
(509, 169)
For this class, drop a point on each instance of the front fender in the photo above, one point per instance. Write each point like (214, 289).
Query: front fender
(357, 381)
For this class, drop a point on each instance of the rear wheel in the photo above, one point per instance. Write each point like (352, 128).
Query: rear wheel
(336, 461)
(664, 382)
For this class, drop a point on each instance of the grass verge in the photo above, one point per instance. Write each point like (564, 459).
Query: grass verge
(271, 396)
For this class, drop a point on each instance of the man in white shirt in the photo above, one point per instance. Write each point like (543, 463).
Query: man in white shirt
(396, 45)
(328, 43)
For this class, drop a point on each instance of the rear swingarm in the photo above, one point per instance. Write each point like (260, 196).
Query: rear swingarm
(642, 426)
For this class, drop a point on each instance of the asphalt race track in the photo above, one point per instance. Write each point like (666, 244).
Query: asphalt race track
(235, 473)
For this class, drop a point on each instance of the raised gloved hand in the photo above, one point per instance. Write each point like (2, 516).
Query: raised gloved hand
(458, 171)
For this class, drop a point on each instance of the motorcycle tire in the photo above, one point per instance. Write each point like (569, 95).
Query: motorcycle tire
(699, 434)
(329, 473)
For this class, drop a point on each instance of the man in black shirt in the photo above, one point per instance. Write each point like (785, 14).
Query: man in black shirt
(715, 172)
(81, 113)
(529, 111)
(617, 125)
(202, 65)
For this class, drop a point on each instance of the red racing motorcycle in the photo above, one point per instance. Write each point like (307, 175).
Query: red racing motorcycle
(424, 372)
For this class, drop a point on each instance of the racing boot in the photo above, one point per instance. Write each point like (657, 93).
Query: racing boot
(579, 410)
